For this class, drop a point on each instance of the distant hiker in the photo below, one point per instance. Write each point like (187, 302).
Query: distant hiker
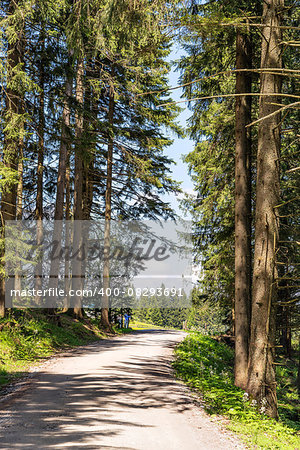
(120, 320)
(126, 317)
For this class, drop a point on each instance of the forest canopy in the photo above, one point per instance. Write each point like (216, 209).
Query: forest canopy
(87, 115)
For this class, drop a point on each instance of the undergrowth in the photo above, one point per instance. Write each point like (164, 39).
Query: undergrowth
(26, 337)
(207, 367)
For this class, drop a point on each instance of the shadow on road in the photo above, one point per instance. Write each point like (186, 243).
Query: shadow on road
(74, 410)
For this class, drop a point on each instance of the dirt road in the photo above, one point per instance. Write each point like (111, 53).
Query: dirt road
(115, 394)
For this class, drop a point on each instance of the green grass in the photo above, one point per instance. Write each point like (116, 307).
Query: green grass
(27, 337)
(288, 398)
(207, 367)
(118, 330)
(138, 325)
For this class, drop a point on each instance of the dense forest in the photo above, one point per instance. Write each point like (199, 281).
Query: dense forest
(87, 114)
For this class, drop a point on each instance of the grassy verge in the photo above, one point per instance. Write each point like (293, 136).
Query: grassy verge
(118, 330)
(26, 337)
(207, 367)
(137, 325)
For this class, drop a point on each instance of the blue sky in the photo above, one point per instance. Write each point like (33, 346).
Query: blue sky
(180, 147)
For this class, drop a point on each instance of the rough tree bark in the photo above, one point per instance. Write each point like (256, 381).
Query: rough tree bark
(108, 193)
(40, 168)
(61, 178)
(19, 201)
(11, 143)
(91, 110)
(242, 209)
(261, 382)
(78, 191)
(19, 206)
(298, 377)
(67, 236)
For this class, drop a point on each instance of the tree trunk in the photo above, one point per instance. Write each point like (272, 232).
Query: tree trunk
(261, 382)
(61, 179)
(68, 236)
(242, 210)
(40, 170)
(78, 190)
(108, 193)
(91, 109)
(11, 143)
(19, 204)
(286, 335)
(298, 377)
(283, 312)
(19, 211)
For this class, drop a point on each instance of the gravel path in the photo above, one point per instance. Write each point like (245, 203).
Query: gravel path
(115, 394)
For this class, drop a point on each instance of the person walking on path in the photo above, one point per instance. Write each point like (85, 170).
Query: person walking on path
(126, 317)
(120, 320)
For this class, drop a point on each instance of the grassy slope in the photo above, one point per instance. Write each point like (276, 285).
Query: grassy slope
(207, 366)
(28, 337)
(138, 325)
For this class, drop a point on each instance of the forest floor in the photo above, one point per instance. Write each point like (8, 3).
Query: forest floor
(206, 366)
(117, 394)
(28, 337)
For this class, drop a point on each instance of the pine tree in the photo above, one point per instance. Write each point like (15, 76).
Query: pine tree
(13, 124)
(243, 208)
(203, 73)
(262, 383)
